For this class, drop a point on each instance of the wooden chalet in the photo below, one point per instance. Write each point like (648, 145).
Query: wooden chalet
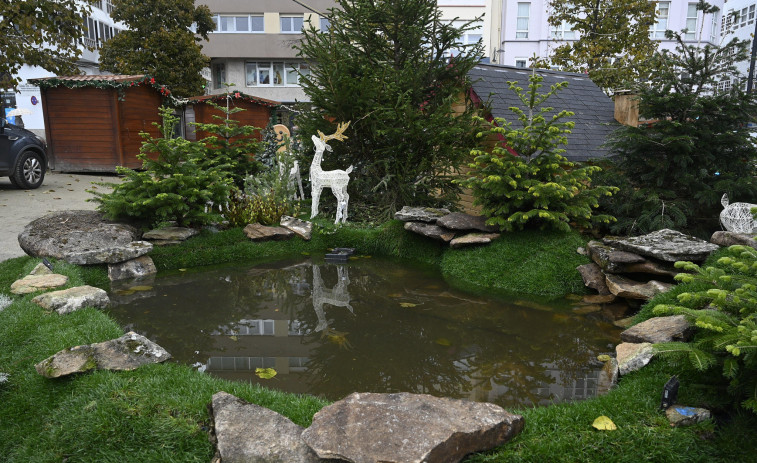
(257, 112)
(93, 122)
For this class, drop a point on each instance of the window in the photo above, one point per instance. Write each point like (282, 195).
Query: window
(219, 75)
(745, 18)
(267, 74)
(714, 27)
(691, 22)
(564, 31)
(724, 86)
(726, 24)
(239, 23)
(89, 39)
(325, 24)
(291, 24)
(521, 28)
(520, 62)
(659, 28)
(469, 37)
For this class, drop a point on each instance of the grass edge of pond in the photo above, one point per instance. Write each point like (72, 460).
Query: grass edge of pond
(159, 413)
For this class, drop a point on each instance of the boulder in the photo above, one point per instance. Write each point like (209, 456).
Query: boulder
(727, 238)
(598, 298)
(80, 237)
(33, 283)
(666, 245)
(472, 239)
(631, 289)
(420, 214)
(610, 259)
(302, 228)
(678, 415)
(403, 427)
(632, 357)
(140, 267)
(593, 278)
(247, 432)
(608, 377)
(461, 221)
(172, 234)
(259, 232)
(41, 269)
(128, 352)
(659, 329)
(430, 231)
(72, 299)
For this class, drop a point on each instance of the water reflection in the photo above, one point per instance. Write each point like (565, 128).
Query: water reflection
(332, 329)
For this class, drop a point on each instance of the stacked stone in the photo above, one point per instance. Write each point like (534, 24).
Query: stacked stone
(632, 267)
(455, 228)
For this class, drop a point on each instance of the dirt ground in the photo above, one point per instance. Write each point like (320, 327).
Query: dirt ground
(60, 191)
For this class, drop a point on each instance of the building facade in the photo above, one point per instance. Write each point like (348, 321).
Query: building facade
(524, 30)
(738, 22)
(99, 27)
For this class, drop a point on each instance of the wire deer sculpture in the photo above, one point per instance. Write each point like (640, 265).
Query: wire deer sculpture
(337, 180)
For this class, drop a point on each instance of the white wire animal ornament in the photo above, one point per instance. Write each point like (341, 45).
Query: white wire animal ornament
(737, 217)
(337, 180)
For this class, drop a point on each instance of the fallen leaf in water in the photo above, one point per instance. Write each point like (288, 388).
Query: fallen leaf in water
(141, 288)
(305, 253)
(603, 358)
(604, 423)
(408, 304)
(234, 338)
(443, 342)
(182, 270)
(124, 292)
(265, 373)
(396, 295)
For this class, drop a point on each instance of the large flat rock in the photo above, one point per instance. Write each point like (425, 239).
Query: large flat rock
(667, 245)
(420, 214)
(659, 329)
(430, 231)
(247, 432)
(72, 299)
(33, 283)
(403, 427)
(460, 221)
(128, 352)
(631, 289)
(80, 237)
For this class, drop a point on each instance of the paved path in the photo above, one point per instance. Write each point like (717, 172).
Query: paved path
(59, 192)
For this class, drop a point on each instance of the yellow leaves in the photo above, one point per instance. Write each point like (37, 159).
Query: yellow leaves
(443, 342)
(604, 423)
(407, 304)
(265, 373)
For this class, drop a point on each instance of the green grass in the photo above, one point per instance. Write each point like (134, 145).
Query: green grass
(159, 412)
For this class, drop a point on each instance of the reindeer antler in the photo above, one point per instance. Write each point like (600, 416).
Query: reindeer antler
(338, 135)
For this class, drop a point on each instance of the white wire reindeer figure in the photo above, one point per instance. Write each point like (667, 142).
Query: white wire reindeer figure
(337, 180)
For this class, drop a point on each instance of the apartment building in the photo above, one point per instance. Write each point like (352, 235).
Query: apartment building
(460, 12)
(253, 45)
(524, 31)
(100, 27)
(739, 22)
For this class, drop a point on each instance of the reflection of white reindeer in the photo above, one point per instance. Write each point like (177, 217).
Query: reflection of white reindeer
(337, 180)
(337, 296)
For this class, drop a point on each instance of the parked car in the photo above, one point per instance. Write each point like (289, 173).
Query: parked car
(23, 156)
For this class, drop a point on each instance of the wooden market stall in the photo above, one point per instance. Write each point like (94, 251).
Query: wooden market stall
(256, 112)
(93, 122)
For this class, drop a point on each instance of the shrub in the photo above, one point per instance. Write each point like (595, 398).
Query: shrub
(173, 187)
(525, 180)
(725, 315)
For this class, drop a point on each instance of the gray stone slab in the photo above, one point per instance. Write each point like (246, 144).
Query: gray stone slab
(667, 245)
(72, 299)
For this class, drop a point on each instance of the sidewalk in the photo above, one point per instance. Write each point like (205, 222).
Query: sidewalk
(59, 192)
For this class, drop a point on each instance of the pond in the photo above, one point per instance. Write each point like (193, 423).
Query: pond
(368, 325)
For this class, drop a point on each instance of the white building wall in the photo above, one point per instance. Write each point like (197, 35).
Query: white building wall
(742, 28)
(468, 10)
(512, 50)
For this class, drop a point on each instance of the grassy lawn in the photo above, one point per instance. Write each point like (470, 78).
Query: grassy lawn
(159, 412)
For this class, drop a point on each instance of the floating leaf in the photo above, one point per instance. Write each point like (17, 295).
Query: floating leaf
(443, 342)
(265, 373)
(408, 304)
(233, 338)
(603, 358)
(141, 288)
(182, 270)
(124, 292)
(395, 295)
(604, 423)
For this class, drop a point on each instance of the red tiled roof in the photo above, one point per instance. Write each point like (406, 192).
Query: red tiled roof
(96, 78)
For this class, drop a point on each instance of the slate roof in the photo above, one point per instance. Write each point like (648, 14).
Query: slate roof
(594, 111)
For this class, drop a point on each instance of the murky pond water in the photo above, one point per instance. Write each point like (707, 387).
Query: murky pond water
(369, 325)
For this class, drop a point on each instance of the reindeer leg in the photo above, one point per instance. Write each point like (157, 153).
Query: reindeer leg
(316, 197)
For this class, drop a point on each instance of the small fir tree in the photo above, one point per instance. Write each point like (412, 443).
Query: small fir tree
(694, 146)
(172, 185)
(524, 180)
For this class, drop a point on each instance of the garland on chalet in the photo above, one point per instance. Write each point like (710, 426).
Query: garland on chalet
(119, 84)
(235, 95)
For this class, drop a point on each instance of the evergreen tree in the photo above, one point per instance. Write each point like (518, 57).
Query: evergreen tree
(43, 33)
(695, 145)
(385, 66)
(159, 42)
(613, 40)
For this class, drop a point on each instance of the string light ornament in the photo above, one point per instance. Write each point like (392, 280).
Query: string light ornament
(337, 180)
(737, 217)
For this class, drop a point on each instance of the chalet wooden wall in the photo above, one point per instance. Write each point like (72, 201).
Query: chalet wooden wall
(89, 129)
(254, 114)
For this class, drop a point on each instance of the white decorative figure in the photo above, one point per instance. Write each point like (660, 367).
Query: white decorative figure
(737, 217)
(336, 296)
(337, 180)
(293, 177)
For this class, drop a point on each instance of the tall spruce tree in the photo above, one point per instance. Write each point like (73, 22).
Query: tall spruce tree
(385, 65)
(159, 42)
(613, 40)
(695, 145)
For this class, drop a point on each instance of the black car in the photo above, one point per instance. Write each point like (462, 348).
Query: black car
(23, 156)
